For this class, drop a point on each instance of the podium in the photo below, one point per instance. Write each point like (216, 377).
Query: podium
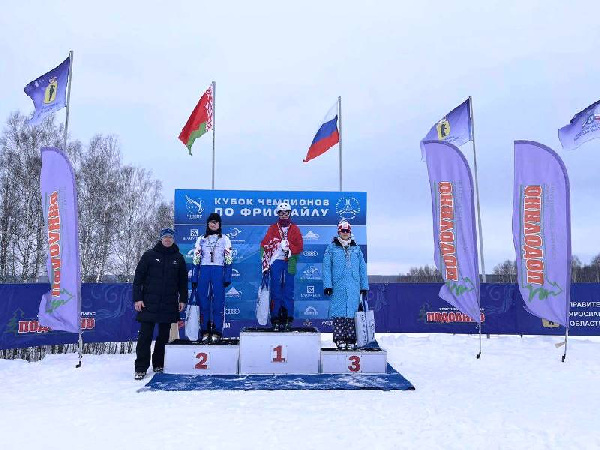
(191, 358)
(353, 361)
(263, 352)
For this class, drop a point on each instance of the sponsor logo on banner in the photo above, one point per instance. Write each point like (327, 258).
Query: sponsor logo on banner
(311, 236)
(443, 129)
(194, 233)
(533, 243)
(235, 273)
(592, 121)
(447, 239)
(310, 253)
(51, 90)
(449, 316)
(194, 207)
(234, 236)
(549, 324)
(19, 326)
(311, 273)
(310, 292)
(311, 311)
(347, 208)
(233, 293)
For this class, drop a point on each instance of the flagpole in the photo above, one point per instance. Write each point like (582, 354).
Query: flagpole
(479, 354)
(566, 339)
(68, 97)
(340, 146)
(477, 192)
(214, 89)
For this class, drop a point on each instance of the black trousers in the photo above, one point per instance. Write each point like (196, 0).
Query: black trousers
(142, 362)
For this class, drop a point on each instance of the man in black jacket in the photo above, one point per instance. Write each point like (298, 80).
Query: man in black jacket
(159, 294)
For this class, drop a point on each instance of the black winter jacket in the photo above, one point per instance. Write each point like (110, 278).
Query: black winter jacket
(161, 282)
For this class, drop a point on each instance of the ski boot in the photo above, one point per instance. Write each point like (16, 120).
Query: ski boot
(158, 369)
(139, 376)
(205, 338)
(215, 338)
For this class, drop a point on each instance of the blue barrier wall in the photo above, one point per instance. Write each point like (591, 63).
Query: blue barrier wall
(108, 316)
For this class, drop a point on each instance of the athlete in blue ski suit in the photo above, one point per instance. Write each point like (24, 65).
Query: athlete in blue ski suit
(210, 276)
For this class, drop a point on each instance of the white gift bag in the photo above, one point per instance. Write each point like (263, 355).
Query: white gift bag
(365, 325)
(264, 300)
(192, 319)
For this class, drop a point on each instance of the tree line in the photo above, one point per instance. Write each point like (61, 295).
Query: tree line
(506, 272)
(121, 208)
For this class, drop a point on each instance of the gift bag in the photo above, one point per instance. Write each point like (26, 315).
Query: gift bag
(264, 299)
(192, 318)
(365, 325)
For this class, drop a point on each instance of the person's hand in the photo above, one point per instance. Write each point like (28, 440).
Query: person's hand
(139, 305)
(194, 284)
(181, 306)
(363, 292)
(226, 283)
(328, 291)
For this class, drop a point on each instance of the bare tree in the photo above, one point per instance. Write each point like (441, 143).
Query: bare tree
(140, 197)
(22, 249)
(506, 271)
(425, 274)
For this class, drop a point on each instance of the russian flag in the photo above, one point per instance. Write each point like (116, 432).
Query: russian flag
(326, 137)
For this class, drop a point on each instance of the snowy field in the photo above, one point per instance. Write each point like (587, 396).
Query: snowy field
(517, 396)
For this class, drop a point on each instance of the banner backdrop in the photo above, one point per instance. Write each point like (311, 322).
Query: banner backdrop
(542, 231)
(246, 216)
(60, 308)
(108, 316)
(454, 233)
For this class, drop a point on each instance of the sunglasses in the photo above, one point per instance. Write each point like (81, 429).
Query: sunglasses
(281, 213)
(344, 231)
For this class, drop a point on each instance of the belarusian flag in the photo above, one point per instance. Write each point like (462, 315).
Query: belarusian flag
(200, 121)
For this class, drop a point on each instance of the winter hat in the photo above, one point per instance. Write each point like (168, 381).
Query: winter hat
(214, 216)
(167, 232)
(344, 225)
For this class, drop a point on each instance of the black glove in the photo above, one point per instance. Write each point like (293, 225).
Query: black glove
(226, 283)
(194, 284)
(328, 291)
(363, 292)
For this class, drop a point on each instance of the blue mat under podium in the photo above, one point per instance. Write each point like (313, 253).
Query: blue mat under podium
(390, 381)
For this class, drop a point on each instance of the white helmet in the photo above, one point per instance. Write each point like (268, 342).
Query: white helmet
(283, 206)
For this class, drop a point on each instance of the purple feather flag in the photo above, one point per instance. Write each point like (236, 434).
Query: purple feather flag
(60, 308)
(454, 230)
(542, 231)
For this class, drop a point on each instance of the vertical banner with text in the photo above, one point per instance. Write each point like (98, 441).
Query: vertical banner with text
(60, 308)
(454, 231)
(542, 231)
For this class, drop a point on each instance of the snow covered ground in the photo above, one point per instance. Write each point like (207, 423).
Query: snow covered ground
(517, 396)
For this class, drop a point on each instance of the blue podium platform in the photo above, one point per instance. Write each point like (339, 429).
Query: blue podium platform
(390, 381)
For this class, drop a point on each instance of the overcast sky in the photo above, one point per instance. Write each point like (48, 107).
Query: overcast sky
(140, 68)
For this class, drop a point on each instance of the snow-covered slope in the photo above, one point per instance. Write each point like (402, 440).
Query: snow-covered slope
(517, 396)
